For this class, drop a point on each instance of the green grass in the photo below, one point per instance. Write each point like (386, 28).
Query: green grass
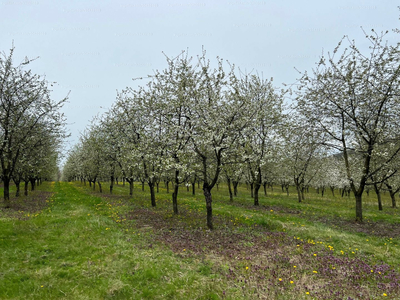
(73, 251)
(83, 245)
(327, 220)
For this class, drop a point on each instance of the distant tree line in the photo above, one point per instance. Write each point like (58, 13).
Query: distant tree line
(31, 127)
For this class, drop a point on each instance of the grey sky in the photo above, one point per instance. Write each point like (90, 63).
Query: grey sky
(94, 48)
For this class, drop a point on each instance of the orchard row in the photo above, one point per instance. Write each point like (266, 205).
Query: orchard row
(206, 121)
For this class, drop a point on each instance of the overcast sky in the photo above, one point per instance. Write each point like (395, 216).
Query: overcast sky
(94, 48)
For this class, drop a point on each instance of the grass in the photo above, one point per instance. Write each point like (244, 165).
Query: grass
(67, 242)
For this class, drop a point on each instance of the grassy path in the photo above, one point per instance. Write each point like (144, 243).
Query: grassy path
(74, 250)
(79, 244)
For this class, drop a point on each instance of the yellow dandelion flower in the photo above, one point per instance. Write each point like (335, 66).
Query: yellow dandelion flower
(291, 282)
(315, 272)
(280, 279)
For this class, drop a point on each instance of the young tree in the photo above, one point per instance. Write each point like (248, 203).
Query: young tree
(144, 133)
(122, 132)
(353, 99)
(258, 138)
(233, 169)
(95, 161)
(299, 150)
(220, 113)
(175, 90)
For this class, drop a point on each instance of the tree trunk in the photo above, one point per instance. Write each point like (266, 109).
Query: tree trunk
(175, 192)
(256, 189)
(167, 185)
(193, 188)
(6, 180)
(265, 188)
(322, 191)
(378, 194)
(100, 188)
(358, 197)
(111, 184)
(17, 186)
(257, 186)
(299, 193)
(26, 187)
(175, 199)
(230, 189)
(158, 189)
(208, 197)
(287, 189)
(333, 190)
(392, 195)
(152, 193)
(142, 186)
(252, 189)
(235, 185)
(32, 180)
(130, 181)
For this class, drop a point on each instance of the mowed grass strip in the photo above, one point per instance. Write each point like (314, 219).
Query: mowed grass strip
(72, 249)
(82, 244)
(328, 220)
(281, 250)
